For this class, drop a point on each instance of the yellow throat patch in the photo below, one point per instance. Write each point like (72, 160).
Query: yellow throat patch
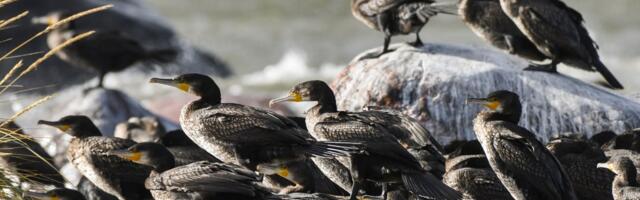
(283, 171)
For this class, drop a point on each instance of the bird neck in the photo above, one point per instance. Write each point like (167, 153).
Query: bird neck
(513, 117)
(165, 164)
(86, 131)
(326, 104)
(211, 97)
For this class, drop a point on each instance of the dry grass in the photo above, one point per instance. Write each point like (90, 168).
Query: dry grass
(9, 187)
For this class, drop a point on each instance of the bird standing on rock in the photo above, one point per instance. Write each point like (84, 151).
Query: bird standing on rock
(254, 138)
(104, 51)
(523, 165)
(386, 161)
(88, 152)
(559, 33)
(394, 17)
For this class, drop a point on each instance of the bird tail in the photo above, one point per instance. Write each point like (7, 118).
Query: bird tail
(613, 82)
(162, 55)
(428, 186)
(332, 149)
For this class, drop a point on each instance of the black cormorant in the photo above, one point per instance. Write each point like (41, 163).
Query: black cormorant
(255, 138)
(558, 32)
(487, 20)
(472, 176)
(386, 160)
(525, 167)
(202, 180)
(394, 17)
(56, 194)
(624, 186)
(104, 51)
(87, 151)
(579, 158)
(628, 140)
(22, 155)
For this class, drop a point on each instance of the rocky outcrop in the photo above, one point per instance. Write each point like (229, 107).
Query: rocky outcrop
(432, 83)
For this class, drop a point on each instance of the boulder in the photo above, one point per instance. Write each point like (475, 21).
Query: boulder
(431, 84)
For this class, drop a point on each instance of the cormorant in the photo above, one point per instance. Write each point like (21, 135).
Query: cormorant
(87, 151)
(472, 176)
(386, 160)
(394, 17)
(558, 32)
(628, 140)
(624, 186)
(487, 20)
(523, 165)
(140, 129)
(255, 138)
(459, 148)
(25, 157)
(104, 51)
(579, 158)
(56, 194)
(201, 180)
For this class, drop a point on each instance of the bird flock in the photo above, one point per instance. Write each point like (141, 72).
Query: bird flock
(234, 151)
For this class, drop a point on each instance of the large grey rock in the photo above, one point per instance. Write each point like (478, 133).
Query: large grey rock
(130, 17)
(433, 82)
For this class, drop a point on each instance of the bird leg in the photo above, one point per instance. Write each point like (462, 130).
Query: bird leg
(550, 68)
(385, 188)
(355, 190)
(418, 42)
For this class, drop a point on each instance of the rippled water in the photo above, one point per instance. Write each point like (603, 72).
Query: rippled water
(252, 34)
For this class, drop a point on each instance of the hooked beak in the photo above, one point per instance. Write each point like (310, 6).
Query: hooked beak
(171, 82)
(293, 96)
(126, 154)
(36, 195)
(46, 20)
(603, 165)
(493, 105)
(476, 101)
(59, 125)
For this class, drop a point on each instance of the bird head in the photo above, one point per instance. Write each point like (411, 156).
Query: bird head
(147, 153)
(503, 102)
(74, 125)
(196, 84)
(619, 165)
(307, 91)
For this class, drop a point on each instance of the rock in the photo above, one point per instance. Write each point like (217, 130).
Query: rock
(432, 83)
(130, 17)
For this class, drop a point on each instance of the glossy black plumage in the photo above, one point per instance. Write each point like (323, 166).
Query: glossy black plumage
(558, 32)
(88, 152)
(524, 166)
(25, 157)
(487, 20)
(386, 160)
(255, 138)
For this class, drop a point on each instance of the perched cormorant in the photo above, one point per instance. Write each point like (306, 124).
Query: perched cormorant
(386, 160)
(87, 151)
(628, 140)
(472, 176)
(56, 194)
(104, 51)
(140, 129)
(201, 180)
(487, 20)
(579, 158)
(558, 32)
(624, 186)
(394, 17)
(525, 167)
(21, 155)
(255, 138)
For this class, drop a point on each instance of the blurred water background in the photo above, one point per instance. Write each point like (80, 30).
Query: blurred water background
(274, 43)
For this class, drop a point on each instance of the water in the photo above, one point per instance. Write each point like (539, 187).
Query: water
(252, 34)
